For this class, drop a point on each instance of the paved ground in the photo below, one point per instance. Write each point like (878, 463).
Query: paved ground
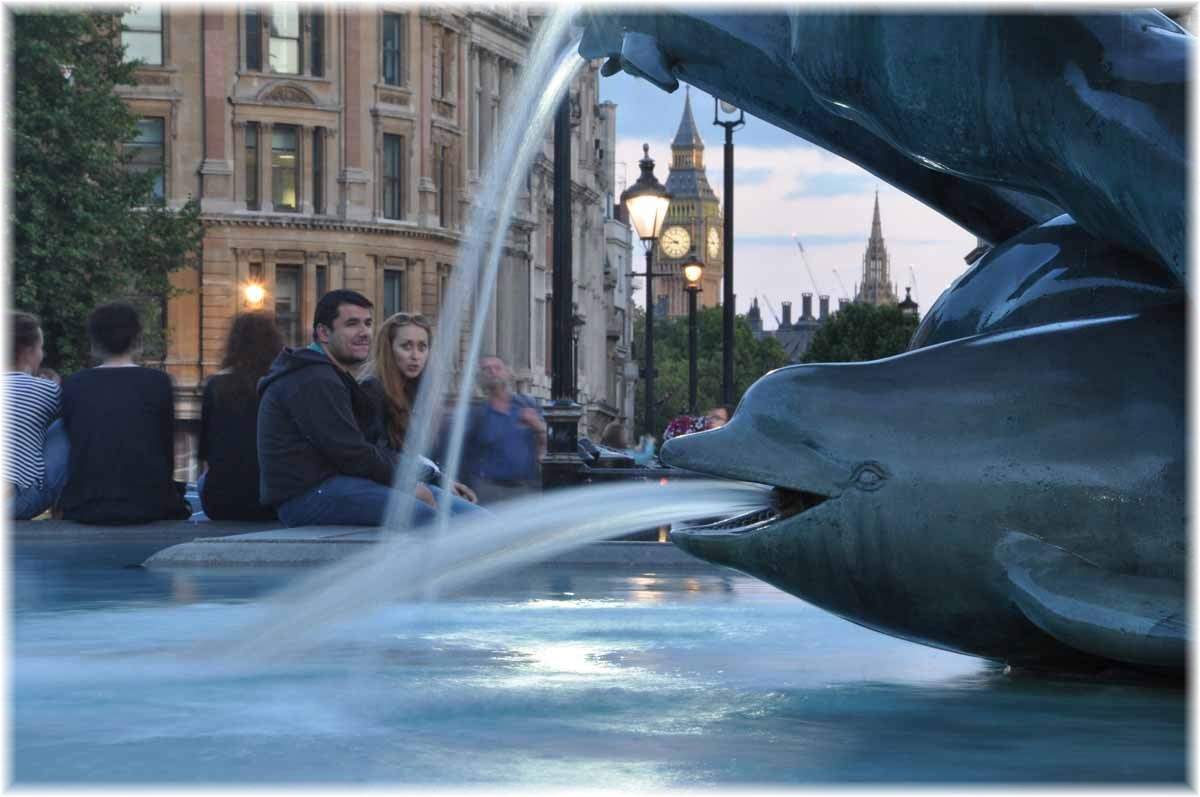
(186, 544)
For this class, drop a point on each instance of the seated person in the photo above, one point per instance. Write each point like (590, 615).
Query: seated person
(717, 417)
(36, 465)
(228, 453)
(614, 436)
(684, 424)
(316, 465)
(120, 421)
(392, 378)
(505, 438)
(644, 453)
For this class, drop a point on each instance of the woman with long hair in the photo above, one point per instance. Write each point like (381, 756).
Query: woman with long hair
(392, 378)
(228, 421)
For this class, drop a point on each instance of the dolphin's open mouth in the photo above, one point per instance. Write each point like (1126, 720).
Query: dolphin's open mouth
(784, 504)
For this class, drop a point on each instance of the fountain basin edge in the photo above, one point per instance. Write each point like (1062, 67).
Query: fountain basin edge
(313, 545)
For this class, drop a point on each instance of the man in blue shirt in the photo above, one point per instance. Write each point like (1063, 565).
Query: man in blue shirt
(505, 440)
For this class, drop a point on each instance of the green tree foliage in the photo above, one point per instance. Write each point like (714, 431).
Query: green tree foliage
(751, 359)
(85, 230)
(859, 332)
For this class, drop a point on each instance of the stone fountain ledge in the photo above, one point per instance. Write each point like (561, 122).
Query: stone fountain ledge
(224, 544)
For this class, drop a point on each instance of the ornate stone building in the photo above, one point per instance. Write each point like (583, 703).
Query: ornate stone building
(876, 286)
(694, 225)
(341, 146)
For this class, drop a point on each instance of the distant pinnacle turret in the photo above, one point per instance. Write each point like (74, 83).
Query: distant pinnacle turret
(687, 136)
(876, 225)
(876, 286)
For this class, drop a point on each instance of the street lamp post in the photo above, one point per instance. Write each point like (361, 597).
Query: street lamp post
(730, 123)
(693, 270)
(561, 464)
(647, 202)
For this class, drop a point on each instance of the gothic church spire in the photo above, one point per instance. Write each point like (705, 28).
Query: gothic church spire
(876, 226)
(687, 136)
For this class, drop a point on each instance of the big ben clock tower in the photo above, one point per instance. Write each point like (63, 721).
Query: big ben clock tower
(694, 225)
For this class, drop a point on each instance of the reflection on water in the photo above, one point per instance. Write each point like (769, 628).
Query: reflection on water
(542, 677)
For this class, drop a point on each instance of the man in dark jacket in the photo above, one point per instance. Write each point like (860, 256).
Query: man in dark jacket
(317, 467)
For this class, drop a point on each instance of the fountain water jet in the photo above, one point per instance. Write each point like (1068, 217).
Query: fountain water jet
(518, 532)
(523, 130)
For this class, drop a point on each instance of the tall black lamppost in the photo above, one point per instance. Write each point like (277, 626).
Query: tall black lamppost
(693, 270)
(562, 463)
(647, 202)
(730, 123)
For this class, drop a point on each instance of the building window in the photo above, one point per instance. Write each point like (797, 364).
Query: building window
(285, 38)
(287, 304)
(322, 281)
(393, 49)
(147, 154)
(253, 40)
(283, 167)
(318, 170)
(142, 33)
(393, 176)
(316, 43)
(252, 165)
(445, 71)
(442, 171)
(393, 292)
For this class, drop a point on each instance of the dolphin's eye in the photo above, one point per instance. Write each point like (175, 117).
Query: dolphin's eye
(869, 476)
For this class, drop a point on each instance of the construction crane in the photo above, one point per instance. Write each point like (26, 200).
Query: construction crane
(804, 260)
(915, 295)
(771, 307)
(844, 292)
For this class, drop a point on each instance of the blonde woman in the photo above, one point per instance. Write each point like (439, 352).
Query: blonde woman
(391, 378)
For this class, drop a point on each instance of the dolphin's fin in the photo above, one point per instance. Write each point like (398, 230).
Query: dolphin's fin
(1134, 619)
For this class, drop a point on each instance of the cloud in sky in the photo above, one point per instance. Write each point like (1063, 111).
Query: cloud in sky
(828, 184)
(784, 186)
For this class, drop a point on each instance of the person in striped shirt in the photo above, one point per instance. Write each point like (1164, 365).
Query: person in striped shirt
(35, 465)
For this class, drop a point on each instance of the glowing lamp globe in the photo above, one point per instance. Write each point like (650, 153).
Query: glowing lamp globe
(255, 294)
(647, 200)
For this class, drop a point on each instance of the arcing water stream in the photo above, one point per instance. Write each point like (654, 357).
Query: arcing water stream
(515, 533)
(554, 53)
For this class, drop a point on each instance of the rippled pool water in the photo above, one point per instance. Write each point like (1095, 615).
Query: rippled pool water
(550, 676)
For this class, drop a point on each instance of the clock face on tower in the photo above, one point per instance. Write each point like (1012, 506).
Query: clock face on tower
(714, 242)
(676, 242)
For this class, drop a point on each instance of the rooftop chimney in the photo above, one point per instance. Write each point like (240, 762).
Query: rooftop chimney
(787, 314)
(806, 314)
(824, 307)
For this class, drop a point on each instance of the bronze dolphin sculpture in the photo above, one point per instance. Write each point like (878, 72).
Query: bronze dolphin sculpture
(1014, 485)
(1014, 488)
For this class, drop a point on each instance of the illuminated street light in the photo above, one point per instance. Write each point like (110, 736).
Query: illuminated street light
(693, 270)
(255, 293)
(647, 202)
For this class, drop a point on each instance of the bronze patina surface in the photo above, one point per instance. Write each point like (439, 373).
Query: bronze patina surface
(1014, 485)
(1017, 493)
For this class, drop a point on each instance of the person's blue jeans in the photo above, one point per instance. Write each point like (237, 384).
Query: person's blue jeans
(29, 502)
(351, 501)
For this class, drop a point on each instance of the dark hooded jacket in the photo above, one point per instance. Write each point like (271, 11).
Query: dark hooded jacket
(311, 419)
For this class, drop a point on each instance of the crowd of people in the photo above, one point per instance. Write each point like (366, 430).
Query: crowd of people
(308, 436)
